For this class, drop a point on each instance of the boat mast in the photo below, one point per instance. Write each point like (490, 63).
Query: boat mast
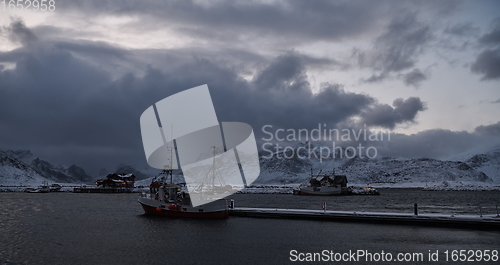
(171, 154)
(213, 168)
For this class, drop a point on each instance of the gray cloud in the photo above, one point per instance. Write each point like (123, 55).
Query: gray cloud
(295, 20)
(492, 37)
(228, 24)
(462, 29)
(458, 37)
(376, 78)
(18, 32)
(61, 99)
(285, 73)
(488, 64)
(489, 130)
(402, 111)
(79, 101)
(414, 78)
(435, 143)
(397, 49)
(488, 61)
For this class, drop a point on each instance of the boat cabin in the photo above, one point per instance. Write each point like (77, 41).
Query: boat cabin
(117, 181)
(328, 180)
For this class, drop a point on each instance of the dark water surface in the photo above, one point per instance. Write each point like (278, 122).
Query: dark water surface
(390, 200)
(69, 228)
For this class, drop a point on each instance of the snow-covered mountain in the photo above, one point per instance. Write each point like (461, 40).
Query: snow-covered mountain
(23, 155)
(21, 167)
(60, 174)
(294, 166)
(487, 161)
(419, 171)
(143, 173)
(14, 172)
(72, 174)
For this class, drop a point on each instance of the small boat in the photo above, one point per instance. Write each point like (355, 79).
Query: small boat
(55, 188)
(324, 185)
(30, 190)
(44, 188)
(172, 200)
(320, 190)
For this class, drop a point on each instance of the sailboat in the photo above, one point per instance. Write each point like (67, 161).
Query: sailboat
(170, 199)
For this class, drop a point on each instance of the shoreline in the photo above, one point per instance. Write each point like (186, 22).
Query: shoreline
(279, 189)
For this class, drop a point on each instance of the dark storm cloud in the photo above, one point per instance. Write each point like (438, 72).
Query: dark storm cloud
(18, 32)
(435, 143)
(492, 37)
(376, 78)
(315, 62)
(489, 130)
(397, 50)
(488, 64)
(462, 29)
(414, 78)
(232, 24)
(488, 61)
(285, 73)
(325, 20)
(12, 56)
(399, 47)
(280, 91)
(402, 111)
(60, 99)
(92, 48)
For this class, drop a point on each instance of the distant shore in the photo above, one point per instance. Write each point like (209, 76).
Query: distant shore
(288, 189)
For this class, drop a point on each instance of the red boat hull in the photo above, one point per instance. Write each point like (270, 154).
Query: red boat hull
(316, 194)
(150, 210)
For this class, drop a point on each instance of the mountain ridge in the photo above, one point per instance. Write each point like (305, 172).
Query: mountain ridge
(297, 167)
(34, 166)
(294, 166)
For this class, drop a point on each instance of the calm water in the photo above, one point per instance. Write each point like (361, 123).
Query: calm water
(67, 228)
(391, 200)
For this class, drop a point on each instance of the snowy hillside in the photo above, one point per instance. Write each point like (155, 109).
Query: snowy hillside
(21, 167)
(423, 171)
(489, 163)
(22, 155)
(72, 174)
(295, 167)
(15, 172)
(484, 149)
(60, 174)
(485, 159)
(142, 173)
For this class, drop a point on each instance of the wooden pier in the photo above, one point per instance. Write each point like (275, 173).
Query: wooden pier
(481, 222)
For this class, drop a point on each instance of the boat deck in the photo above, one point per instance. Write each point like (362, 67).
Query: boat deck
(482, 222)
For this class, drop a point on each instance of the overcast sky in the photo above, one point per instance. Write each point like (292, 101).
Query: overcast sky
(74, 82)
